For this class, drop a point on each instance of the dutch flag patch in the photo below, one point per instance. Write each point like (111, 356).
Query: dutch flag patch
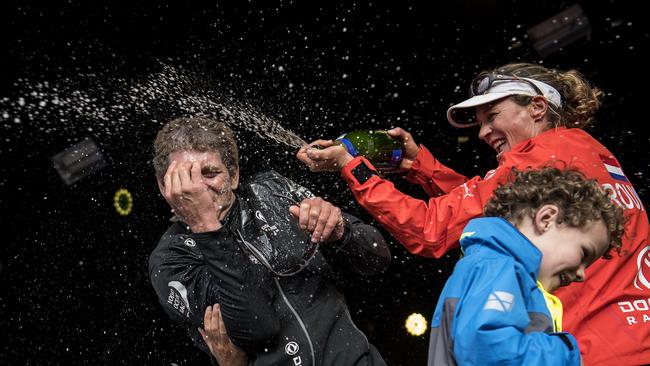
(613, 168)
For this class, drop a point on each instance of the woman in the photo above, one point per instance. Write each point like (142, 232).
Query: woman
(531, 116)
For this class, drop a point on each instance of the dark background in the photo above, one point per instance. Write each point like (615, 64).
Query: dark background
(74, 286)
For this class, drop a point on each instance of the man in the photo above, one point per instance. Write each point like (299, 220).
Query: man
(264, 252)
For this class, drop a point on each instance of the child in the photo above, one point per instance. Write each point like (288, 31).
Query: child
(496, 308)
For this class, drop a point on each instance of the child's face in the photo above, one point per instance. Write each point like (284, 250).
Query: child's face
(567, 251)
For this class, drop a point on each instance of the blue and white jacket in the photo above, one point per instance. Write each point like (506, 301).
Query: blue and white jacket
(492, 310)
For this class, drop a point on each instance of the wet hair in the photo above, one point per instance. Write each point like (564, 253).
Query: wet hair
(198, 134)
(580, 200)
(580, 100)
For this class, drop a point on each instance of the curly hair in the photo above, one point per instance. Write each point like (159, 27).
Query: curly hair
(198, 134)
(580, 200)
(580, 100)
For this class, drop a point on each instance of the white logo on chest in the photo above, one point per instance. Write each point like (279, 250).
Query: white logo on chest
(266, 227)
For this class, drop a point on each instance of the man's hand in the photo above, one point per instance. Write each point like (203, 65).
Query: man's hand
(324, 156)
(409, 148)
(322, 219)
(190, 198)
(220, 345)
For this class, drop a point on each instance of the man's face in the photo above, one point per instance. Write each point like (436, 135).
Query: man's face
(214, 175)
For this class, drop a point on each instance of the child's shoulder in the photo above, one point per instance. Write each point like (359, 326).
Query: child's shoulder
(481, 251)
(483, 260)
(481, 274)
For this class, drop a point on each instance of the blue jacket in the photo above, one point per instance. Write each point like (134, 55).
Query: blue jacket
(491, 311)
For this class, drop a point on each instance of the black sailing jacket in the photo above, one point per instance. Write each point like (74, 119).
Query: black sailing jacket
(276, 291)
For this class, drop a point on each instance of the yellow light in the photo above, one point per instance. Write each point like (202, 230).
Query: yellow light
(416, 324)
(123, 201)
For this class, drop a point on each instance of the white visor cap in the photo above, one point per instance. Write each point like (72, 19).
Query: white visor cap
(500, 89)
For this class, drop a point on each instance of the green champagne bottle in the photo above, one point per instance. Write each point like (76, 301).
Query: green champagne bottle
(383, 151)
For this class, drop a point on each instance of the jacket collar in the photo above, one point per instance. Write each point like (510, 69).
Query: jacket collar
(526, 144)
(234, 217)
(501, 236)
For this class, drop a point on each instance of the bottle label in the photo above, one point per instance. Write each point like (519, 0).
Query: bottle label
(397, 158)
(349, 146)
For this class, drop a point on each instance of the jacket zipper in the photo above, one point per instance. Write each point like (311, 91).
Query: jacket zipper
(302, 325)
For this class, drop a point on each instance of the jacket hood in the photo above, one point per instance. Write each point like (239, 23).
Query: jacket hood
(500, 235)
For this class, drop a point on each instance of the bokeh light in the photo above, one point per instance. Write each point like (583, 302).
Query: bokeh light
(123, 202)
(416, 324)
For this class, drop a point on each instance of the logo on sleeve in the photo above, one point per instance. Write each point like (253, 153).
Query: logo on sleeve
(500, 301)
(177, 298)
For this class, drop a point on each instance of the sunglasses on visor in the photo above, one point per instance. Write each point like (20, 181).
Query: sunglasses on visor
(482, 83)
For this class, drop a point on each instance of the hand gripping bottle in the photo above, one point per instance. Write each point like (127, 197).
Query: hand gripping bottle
(384, 152)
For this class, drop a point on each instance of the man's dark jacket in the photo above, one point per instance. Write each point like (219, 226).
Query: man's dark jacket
(277, 318)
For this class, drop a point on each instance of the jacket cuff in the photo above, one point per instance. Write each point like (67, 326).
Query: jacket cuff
(572, 345)
(358, 170)
(422, 168)
(345, 239)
